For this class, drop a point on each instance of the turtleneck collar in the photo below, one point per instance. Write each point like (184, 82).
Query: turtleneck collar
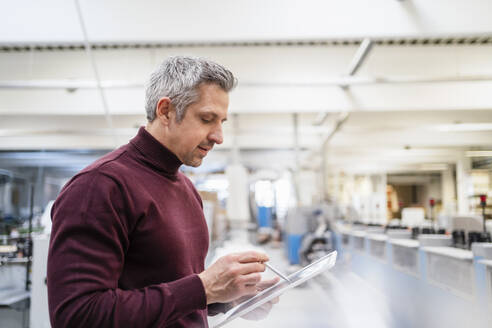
(154, 153)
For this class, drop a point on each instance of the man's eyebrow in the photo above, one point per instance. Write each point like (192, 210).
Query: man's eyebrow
(209, 112)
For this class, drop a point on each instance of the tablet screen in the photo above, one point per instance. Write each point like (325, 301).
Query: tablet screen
(296, 278)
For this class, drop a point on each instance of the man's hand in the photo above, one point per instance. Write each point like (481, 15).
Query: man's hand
(233, 276)
(260, 312)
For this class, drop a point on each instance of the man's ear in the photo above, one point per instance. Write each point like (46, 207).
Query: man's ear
(163, 110)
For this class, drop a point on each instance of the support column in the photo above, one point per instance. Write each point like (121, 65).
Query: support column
(237, 175)
(324, 172)
(463, 167)
(383, 201)
(331, 184)
(448, 192)
(237, 202)
(235, 153)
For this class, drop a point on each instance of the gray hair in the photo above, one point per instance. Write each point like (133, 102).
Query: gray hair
(179, 77)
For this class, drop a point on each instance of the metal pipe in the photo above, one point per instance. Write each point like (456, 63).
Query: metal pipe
(297, 167)
(342, 118)
(358, 60)
(321, 118)
(360, 56)
(29, 238)
(295, 117)
(88, 50)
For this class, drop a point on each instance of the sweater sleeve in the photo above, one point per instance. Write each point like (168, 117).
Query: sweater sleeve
(90, 236)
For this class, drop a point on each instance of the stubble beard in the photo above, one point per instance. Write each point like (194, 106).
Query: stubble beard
(193, 160)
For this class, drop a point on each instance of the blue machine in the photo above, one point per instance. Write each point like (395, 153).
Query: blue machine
(265, 217)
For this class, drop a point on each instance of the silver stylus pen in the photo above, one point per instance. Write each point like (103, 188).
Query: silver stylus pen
(277, 272)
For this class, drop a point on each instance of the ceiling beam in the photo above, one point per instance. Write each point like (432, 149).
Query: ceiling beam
(72, 85)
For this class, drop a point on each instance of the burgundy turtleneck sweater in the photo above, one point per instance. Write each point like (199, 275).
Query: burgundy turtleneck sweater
(128, 240)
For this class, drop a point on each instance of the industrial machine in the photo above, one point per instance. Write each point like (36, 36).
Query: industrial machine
(308, 233)
(316, 244)
(16, 214)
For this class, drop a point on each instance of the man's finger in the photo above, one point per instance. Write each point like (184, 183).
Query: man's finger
(251, 279)
(252, 256)
(264, 284)
(250, 290)
(248, 268)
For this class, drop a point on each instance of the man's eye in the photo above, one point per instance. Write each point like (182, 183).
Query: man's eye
(206, 121)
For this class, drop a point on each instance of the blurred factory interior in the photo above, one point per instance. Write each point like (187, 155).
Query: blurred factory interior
(360, 126)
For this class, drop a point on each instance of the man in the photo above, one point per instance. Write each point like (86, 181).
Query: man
(129, 238)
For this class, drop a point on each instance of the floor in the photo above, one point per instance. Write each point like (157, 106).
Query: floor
(338, 298)
(329, 300)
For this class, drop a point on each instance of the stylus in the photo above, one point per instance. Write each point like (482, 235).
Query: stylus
(277, 272)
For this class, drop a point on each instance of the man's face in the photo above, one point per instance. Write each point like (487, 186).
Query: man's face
(201, 127)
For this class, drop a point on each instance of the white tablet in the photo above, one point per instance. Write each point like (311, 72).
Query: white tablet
(296, 278)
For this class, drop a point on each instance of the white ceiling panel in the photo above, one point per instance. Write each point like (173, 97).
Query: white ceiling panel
(225, 20)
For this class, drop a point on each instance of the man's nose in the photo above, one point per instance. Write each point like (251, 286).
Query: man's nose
(216, 136)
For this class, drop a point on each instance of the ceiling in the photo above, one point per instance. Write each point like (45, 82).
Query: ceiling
(420, 96)
(188, 21)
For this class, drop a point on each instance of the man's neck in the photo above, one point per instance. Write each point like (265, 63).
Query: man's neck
(157, 133)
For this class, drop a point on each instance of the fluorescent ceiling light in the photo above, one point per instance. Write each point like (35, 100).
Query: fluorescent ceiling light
(478, 153)
(465, 127)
